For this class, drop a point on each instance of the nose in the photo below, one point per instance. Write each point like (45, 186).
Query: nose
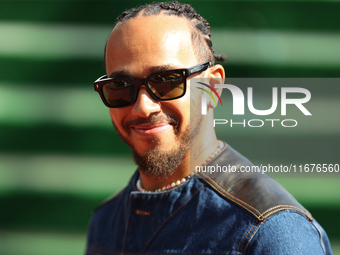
(145, 104)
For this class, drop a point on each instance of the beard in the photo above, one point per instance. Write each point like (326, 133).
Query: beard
(156, 163)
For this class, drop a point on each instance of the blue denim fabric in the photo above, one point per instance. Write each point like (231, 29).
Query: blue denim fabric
(194, 219)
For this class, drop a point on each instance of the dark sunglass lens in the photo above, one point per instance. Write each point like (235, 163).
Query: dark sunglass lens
(167, 85)
(119, 93)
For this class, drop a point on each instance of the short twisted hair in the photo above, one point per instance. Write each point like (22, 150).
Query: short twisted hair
(200, 34)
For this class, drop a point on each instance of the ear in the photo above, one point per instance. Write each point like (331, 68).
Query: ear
(216, 75)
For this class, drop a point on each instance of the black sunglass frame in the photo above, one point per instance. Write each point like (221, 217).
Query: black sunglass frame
(101, 81)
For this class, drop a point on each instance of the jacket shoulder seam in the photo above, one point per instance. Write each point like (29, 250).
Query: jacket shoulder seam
(230, 197)
(260, 216)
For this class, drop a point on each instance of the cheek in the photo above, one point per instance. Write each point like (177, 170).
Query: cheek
(182, 108)
(117, 118)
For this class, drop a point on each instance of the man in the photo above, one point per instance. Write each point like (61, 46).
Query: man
(153, 57)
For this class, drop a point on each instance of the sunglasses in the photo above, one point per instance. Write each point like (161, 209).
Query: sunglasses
(163, 86)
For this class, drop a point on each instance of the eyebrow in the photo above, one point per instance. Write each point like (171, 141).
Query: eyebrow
(154, 69)
(120, 74)
(161, 68)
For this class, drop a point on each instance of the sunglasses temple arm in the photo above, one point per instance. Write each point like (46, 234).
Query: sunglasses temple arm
(199, 68)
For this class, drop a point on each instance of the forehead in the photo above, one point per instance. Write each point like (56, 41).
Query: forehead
(150, 41)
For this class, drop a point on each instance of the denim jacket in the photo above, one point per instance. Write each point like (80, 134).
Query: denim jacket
(218, 213)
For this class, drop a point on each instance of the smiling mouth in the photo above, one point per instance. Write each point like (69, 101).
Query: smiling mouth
(153, 125)
(151, 128)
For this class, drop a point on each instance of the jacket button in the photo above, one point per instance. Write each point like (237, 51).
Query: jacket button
(141, 212)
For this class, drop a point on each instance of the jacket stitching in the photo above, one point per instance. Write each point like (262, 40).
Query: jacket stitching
(247, 235)
(235, 198)
(261, 216)
(274, 209)
(245, 247)
(170, 217)
(282, 209)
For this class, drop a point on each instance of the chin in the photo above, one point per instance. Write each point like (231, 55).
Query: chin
(161, 147)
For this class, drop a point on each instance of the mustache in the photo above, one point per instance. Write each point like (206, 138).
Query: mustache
(172, 120)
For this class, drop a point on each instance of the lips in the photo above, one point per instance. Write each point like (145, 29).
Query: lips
(151, 128)
(152, 125)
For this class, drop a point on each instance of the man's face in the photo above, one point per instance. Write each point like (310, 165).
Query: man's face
(137, 48)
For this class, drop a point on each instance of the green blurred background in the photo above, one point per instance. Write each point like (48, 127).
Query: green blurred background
(59, 156)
